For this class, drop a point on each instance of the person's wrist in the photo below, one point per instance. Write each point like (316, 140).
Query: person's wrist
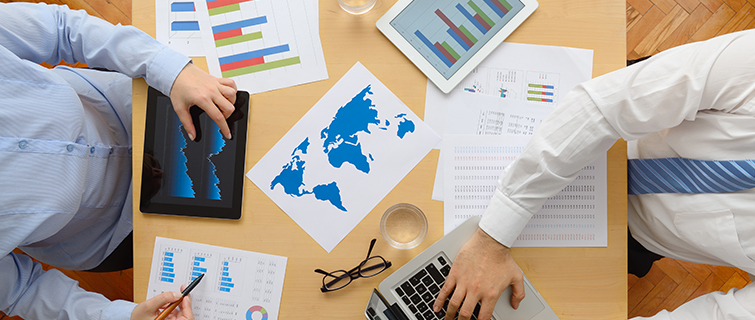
(490, 243)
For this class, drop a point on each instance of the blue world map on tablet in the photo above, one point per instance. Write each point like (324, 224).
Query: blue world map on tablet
(342, 147)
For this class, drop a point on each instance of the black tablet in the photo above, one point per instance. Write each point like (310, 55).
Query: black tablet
(200, 178)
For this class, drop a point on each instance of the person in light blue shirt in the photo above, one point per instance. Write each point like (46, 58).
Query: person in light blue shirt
(65, 152)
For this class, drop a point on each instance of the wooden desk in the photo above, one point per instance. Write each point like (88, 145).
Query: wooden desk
(578, 283)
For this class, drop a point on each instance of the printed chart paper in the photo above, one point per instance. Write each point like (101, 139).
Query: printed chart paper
(535, 74)
(237, 284)
(487, 115)
(355, 144)
(575, 217)
(262, 44)
(177, 26)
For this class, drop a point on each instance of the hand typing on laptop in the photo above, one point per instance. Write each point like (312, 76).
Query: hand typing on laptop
(483, 269)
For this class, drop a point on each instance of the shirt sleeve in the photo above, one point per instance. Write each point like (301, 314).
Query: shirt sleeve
(40, 294)
(49, 33)
(733, 305)
(651, 96)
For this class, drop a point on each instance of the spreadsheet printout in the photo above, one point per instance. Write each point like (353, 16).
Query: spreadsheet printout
(237, 284)
(575, 217)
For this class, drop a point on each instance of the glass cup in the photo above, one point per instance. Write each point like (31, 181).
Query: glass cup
(356, 6)
(403, 226)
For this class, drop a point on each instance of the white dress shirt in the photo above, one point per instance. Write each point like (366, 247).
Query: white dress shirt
(65, 150)
(693, 101)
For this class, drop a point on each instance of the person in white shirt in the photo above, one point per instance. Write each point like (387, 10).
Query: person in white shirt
(694, 101)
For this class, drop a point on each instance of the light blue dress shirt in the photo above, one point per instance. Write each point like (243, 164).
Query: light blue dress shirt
(65, 152)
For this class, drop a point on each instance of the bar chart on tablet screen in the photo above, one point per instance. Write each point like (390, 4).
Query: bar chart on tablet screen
(447, 33)
(263, 44)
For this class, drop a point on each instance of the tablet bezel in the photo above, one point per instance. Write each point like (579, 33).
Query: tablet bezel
(239, 139)
(446, 85)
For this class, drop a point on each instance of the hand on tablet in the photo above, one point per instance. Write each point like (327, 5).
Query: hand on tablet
(215, 96)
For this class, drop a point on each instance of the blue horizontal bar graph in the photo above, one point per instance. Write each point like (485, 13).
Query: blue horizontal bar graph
(225, 289)
(184, 26)
(225, 274)
(166, 280)
(169, 259)
(167, 269)
(252, 55)
(200, 259)
(168, 264)
(433, 48)
(226, 279)
(196, 274)
(239, 24)
(169, 275)
(226, 284)
(182, 7)
(168, 254)
(202, 270)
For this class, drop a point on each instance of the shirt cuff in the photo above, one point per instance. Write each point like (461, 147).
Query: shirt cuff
(504, 219)
(164, 69)
(118, 310)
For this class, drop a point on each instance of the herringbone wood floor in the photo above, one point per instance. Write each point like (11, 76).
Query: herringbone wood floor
(652, 26)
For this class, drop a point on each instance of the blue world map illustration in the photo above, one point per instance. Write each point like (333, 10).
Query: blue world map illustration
(341, 146)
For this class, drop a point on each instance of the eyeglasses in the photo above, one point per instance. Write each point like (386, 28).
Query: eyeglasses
(369, 267)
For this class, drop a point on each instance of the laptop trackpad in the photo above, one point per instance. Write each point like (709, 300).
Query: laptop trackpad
(528, 308)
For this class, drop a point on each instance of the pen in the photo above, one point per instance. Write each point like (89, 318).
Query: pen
(184, 293)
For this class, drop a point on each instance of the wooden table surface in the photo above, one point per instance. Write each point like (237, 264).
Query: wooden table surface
(578, 283)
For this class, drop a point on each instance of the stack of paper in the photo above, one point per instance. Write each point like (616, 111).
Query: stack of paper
(486, 122)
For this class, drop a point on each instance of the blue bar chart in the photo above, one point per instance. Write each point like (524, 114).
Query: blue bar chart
(177, 26)
(447, 33)
(236, 282)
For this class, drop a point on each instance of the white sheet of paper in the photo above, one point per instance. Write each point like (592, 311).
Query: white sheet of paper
(487, 115)
(177, 26)
(575, 217)
(512, 72)
(265, 44)
(236, 282)
(344, 155)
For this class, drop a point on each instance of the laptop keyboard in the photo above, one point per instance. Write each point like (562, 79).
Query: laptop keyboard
(421, 289)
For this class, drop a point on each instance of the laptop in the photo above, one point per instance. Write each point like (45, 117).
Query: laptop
(409, 293)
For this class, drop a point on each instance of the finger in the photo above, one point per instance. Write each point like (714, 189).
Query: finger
(185, 306)
(161, 300)
(467, 307)
(214, 113)
(224, 103)
(486, 309)
(445, 291)
(517, 291)
(228, 82)
(454, 303)
(185, 117)
(228, 89)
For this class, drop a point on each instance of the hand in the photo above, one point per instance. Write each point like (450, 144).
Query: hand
(215, 96)
(481, 271)
(148, 310)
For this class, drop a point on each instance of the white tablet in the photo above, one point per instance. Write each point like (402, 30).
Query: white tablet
(446, 39)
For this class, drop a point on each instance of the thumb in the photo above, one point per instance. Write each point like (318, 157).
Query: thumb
(161, 300)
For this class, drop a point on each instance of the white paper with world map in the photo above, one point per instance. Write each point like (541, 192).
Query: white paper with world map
(343, 157)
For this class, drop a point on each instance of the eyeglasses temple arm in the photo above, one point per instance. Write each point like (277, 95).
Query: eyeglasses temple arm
(372, 245)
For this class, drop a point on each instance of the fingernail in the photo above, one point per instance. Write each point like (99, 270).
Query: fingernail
(176, 295)
(228, 136)
(436, 308)
(191, 137)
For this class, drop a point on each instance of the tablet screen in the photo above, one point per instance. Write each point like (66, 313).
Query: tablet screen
(201, 178)
(448, 33)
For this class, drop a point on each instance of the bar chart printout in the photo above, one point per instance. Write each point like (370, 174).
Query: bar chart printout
(237, 284)
(259, 45)
(177, 26)
(448, 32)
(575, 217)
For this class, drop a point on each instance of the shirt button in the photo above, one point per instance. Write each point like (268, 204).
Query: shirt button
(23, 144)
(69, 147)
(91, 150)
